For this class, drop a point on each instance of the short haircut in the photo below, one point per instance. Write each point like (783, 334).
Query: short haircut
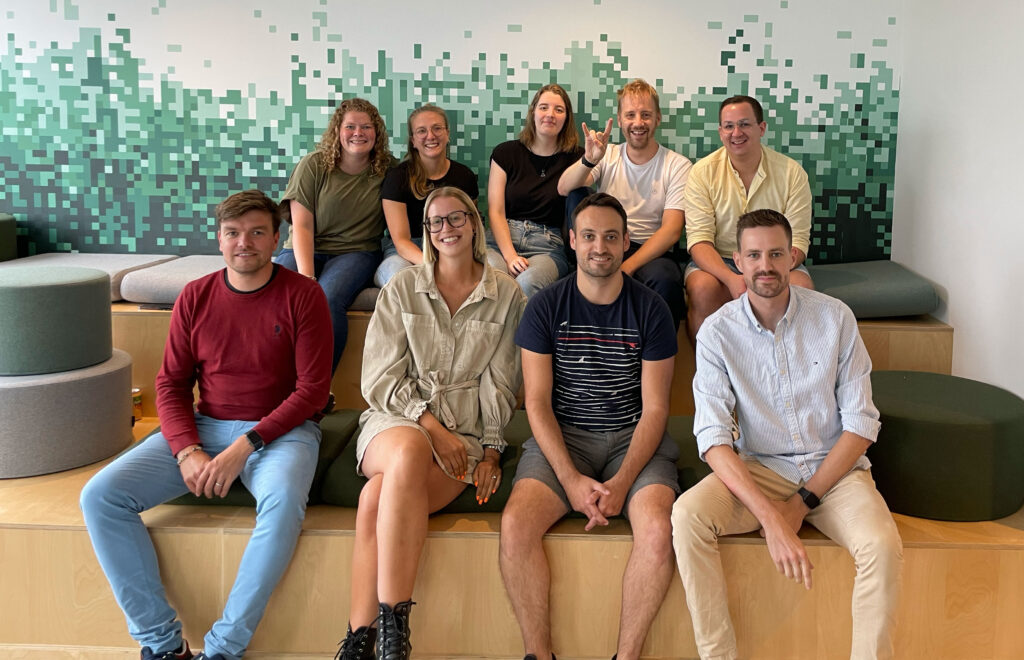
(741, 98)
(763, 218)
(640, 88)
(241, 203)
(600, 200)
(567, 137)
(479, 240)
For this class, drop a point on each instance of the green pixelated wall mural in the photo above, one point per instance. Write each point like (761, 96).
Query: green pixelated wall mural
(125, 122)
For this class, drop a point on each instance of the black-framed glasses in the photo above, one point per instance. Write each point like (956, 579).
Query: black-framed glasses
(455, 220)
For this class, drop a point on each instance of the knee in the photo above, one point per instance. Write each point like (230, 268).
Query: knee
(532, 280)
(687, 522)
(654, 535)
(287, 500)
(100, 493)
(409, 454)
(518, 529)
(880, 552)
(705, 294)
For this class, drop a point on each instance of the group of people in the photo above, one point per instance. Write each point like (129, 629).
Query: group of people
(465, 322)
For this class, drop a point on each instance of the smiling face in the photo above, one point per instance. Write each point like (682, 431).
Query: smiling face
(638, 118)
(549, 115)
(765, 258)
(429, 134)
(356, 135)
(451, 241)
(599, 240)
(247, 243)
(740, 131)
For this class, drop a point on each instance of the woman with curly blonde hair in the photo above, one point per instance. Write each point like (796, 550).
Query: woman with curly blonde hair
(333, 205)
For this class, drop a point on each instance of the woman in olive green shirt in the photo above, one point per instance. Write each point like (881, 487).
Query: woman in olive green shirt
(441, 373)
(333, 205)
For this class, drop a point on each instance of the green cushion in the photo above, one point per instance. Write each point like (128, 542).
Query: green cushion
(53, 319)
(691, 468)
(949, 448)
(874, 289)
(8, 237)
(337, 429)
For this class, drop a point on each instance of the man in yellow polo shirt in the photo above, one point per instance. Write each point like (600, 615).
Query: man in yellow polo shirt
(742, 176)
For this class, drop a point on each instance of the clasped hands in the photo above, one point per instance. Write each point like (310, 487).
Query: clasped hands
(207, 477)
(597, 501)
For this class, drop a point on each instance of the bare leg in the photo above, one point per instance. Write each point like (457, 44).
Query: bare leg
(705, 294)
(412, 485)
(799, 278)
(650, 567)
(363, 609)
(531, 510)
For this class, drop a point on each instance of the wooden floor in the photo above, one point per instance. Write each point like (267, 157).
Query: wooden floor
(918, 343)
(963, 586)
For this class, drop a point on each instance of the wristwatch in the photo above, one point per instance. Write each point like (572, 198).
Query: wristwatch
(254, 439)
(809, 498)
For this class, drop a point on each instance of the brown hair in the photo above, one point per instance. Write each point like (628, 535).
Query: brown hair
(567, 138)
(479, 240)
(763, 218)
(600, 200)
(241, 203)
(742, 98)
(417, 175)
(330, 148)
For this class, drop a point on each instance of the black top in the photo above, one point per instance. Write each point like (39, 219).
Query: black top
(531, 187)
(396, 189)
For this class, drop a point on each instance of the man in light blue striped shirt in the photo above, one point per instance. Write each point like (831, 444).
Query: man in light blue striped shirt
(790, 364)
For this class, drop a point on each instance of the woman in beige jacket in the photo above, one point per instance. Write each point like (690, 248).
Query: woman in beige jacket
(441, 372)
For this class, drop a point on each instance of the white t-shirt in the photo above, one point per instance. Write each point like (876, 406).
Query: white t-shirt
(644, 191)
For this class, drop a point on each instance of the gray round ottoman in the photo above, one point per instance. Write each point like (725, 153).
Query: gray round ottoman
(53, 319)
(950, 448)
(53, 422)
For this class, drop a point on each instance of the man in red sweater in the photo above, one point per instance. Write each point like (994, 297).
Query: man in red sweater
(257, 338)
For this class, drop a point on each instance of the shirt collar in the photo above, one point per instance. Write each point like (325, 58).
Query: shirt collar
(791, 310)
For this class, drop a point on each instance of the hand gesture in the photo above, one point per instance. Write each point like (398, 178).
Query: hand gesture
(583, 493)
(192, 467)
(451, 453)
(610, 503)
(219, 473)
(487, 476)
(596, 143)
(517, 264)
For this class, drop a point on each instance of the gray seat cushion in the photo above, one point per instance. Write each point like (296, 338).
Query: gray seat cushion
(875, 289)
(114, 265)
(161, 284)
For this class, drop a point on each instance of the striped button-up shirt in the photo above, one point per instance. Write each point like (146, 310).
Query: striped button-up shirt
(794, 391)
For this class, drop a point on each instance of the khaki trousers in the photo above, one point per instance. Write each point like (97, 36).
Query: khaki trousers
(853, 514)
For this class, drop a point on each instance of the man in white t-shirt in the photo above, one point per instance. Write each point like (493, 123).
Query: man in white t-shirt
(648, 179)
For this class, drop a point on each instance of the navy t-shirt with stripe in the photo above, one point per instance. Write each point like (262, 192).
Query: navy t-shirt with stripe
(597, 350)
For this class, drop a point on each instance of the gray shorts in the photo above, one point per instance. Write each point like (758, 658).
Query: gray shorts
(599, 456)
(692, 266)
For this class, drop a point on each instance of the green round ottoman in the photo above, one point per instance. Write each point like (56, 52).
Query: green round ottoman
(950, 448)
(53, 319)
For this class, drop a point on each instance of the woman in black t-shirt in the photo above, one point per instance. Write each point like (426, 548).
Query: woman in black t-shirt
(525, 208)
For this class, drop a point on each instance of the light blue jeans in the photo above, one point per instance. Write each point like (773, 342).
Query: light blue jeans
(393, 262)
(279, 478)
(543, 247)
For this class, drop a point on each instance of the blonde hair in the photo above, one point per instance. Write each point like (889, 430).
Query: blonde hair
(330, 147)
(417, 175)
(639, 88)
(567, 138)
(479, 240)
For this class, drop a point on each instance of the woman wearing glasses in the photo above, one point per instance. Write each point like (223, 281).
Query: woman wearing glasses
(440, 372)
(333, 205)
(526, 211)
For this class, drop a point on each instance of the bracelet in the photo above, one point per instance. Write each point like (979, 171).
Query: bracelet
(586, 163)
(188, 451)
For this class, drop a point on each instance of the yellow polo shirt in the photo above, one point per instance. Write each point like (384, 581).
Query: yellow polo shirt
(715, 198)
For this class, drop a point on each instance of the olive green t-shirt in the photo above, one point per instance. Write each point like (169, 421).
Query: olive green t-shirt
(346, 208)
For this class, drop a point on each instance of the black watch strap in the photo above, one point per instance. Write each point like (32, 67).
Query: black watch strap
(809, 498)
(586, 163)
(254, 439)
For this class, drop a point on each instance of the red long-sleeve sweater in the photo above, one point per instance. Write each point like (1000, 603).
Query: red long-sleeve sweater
(263, 355)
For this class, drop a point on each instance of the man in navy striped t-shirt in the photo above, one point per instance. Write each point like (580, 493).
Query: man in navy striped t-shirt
(598, 355)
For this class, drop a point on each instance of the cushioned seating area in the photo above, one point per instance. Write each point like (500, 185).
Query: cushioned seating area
(115, 265)
(59, 421)
(8, 237)
(366, 300)
(162, 283)
(950, 448)
(53, 319)
(875, 289)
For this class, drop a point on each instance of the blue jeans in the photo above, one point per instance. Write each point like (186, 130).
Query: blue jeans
(545, 250)
(342, 277)
(664, 275)
(279, 478)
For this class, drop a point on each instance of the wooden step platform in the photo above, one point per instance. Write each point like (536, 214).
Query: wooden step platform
(918, 343)
(963, 586)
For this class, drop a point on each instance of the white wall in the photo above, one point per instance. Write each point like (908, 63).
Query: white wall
(959, 216)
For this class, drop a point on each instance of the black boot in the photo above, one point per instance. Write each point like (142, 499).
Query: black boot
(393, 631)
(357, 645)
